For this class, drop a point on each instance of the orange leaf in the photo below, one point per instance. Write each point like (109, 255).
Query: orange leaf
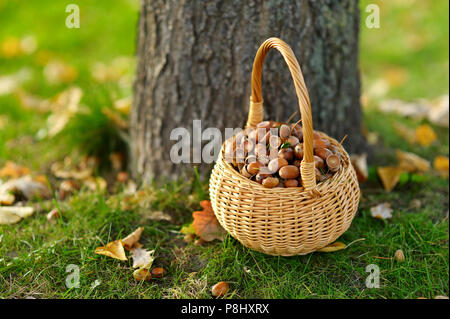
(206, 225)
(389, 176)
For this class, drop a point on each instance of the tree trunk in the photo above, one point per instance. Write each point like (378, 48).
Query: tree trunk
(195, 59)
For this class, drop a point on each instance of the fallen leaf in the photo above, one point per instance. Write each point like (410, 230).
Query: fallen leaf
(157, 215)
(439, 111)
(441, 297)
(115, 118)
(142, 274)
(113, 249)
(359, 163)
(425, 135)
(188, 229)
(399, 255)
(53, 214)
(142, 258)
(6, 199)
(411, 163)
(13, 170)
(124, 105)
(95, 184)
(337, 245)
(381, 211)
(408, 134)
(132, 240)
(389, 175)
(13, 214)
(57, 72)
(27, 187)
(206, 225)
(441, 164)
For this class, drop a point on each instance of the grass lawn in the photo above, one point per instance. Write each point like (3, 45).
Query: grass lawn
(34, 254)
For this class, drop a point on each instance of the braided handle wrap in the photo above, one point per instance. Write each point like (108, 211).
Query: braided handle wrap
(255, 114)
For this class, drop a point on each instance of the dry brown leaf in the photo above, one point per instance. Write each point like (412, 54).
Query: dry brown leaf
(381, 211)
(13, 170)
(132, 240)
(411, 163)
(113, 249)
(389, 175)
(441, 164)
(425, 135)
(359, 163)
(13, 214)
(206, 225)
(220, 289)
(337, 245)
(142, 258)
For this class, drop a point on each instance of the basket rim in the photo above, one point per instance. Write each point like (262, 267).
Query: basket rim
(320, 187)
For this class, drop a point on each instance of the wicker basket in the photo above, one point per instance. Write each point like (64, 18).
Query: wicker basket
(284, 221)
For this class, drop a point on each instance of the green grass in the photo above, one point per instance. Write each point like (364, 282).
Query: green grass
(34, 254)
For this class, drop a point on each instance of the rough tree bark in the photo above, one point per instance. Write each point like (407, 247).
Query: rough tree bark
(195, 59)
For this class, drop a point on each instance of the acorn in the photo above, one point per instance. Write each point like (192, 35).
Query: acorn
(318, 162)
(250, 159)
(254, 168)
(245, 172)
(297, 163)
(320, 143)
(289, 171)
(333, 162)
(285, 131)
(264, 124)
(293, 140)
(318, 175)
(220, 289)
(286, 153)
(260, 150)
(297, 131)
(323, 153)
(291, 182)
(298, 151)
(270, 182)
(277, 163)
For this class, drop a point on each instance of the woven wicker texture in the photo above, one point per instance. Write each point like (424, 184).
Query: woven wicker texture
(284, 221)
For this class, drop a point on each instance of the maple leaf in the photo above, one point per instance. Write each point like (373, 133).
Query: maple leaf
(206, 225)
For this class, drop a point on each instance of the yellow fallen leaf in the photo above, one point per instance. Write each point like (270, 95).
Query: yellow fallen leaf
(337, 245)
(57, 72)
(425, 135)
(113, 249)
(13, 214)
(441, 165)
(132, 240)
(10, 47)
(389, 175)
(412, 163)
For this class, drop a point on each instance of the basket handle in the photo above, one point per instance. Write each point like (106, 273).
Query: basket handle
(256, 111)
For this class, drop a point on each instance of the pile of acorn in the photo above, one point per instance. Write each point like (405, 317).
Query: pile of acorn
(271, 153)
